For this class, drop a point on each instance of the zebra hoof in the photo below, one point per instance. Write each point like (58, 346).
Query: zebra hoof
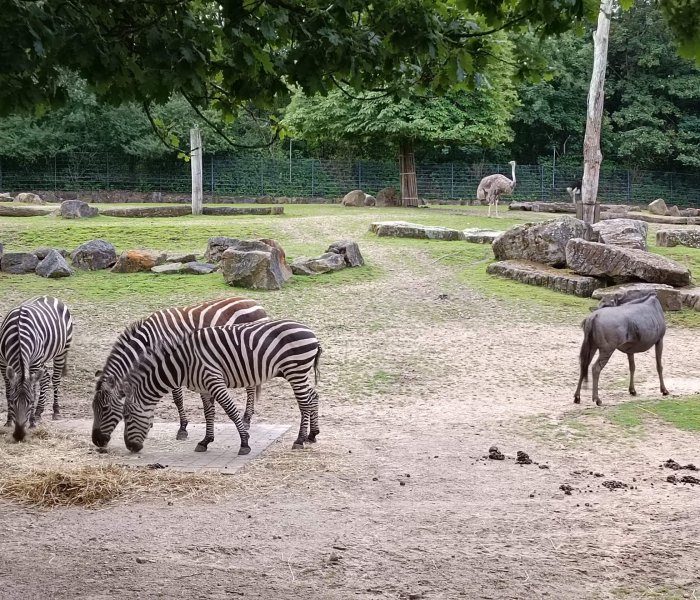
(56, 416)
(244, 450)
(182, 435)
(200, 448)
(298, 446)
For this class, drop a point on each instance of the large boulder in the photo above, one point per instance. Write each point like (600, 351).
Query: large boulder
(254, 264)
(148, 211)
(559, 280)
(629, 233)
(133, 261)
(690, 212)
(77, 209)
(14, 210)
(286, 271)
(678, 237)
(29, 198)
(53, 266)
(370, 200)
(413, 230)
(674, 211)
(330, 261)
(42, 253)
(623, 265)
(354, 198)
(94, 255)
(658, 207)
(349, 250)
(5, 197)
(669, 297)
(18, 263)
(540, 242)
(216, 246)
(387, 196)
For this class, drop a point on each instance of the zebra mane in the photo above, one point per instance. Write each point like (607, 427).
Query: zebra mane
(154, 354)
(121, 343)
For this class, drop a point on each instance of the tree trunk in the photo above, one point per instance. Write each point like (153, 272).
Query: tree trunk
(196, 162)
(407, 166)
(592, 156)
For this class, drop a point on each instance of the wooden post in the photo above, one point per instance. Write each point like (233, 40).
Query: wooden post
(407, 166)
(592, 156)
(196, 161)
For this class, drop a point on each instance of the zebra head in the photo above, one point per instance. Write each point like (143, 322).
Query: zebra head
(106, 408)
(22, 394)
(138, 420)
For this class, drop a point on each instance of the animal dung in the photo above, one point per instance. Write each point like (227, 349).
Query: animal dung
(523, 458)
(495, 454)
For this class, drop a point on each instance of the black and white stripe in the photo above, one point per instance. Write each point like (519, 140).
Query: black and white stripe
(139, 338)
(33, 334)
(213, 359)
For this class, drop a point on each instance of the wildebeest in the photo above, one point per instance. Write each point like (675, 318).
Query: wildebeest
(632, 324)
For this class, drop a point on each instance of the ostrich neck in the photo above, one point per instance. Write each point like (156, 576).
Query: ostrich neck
(513, 173)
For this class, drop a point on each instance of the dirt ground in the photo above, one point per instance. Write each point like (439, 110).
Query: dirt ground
(397, 500)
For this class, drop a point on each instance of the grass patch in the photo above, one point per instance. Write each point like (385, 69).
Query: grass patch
(680, 413)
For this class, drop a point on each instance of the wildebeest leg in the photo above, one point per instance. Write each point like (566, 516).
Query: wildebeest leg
(603, 358)
(659, 367)
(209, 413)
(630, 358)
(35, 418)
(179, 404)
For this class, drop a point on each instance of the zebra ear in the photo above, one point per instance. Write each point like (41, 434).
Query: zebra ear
(11, 374)
(35, 376)
(98, 374)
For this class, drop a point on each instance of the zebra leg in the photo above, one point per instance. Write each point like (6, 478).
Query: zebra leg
(209, 412)
(313, 426)
(303, 393)
(35, 418)
(59, 369)
(252, 393)
(219, 392)
(177, 399)
(10, 408)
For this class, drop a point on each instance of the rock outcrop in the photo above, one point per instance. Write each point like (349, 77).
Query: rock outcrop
(678, 237)
(629, 233)
(77, 209)
(18, 263)
(658, 207)
(254, 264)
(413, 230)
(53, 266)
(350, 252)
(29, 198)
(354, 198)
(669, 297)
(560, 280)
(94, 255)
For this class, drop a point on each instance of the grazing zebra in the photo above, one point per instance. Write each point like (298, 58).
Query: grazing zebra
(171, 323)
(213, 359)
(34, 333)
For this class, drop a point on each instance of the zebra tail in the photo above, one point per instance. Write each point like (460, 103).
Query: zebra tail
(317, 370)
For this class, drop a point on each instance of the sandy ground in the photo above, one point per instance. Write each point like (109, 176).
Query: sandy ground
(397, 500)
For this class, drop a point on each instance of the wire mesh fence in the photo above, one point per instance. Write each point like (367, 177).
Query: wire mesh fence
(254, 176)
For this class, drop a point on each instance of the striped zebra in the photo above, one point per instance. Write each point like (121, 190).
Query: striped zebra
(33, 334)
(171, 323)
(213, 359)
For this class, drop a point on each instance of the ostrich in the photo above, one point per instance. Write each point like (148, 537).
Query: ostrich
(492, 187)
(574, 189)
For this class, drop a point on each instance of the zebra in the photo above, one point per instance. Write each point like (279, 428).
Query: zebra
(213, 359)
(33, 334)
(171, 323)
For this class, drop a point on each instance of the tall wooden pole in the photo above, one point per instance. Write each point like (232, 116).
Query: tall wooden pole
(592, 156)
(407, 166)
(196, 161)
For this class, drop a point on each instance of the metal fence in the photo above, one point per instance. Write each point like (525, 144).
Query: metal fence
(248, 176)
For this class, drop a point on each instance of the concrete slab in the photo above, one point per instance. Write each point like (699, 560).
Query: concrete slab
(161, 447)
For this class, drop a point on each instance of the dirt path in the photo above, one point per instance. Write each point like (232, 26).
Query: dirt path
(397, 499)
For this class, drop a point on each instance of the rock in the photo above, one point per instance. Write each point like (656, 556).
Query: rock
(254, 264)
(678, 237)
(18, 263)
(24, 211)
(29, 198)
(629, 233)
(690, 212)
(1, 251)
(350, 252)
(239, 210)
(370, 200)
(330, 261)
(181, 257)
(5, 197)
(690, 297)
(167, 269)
(532, 273)
(387, 196)
(540, 242)
(197, 268)
(134, 261)
(94, 255)
(354, 198)
(654, 219)
(77, 209)
(553, 207)
(413, 230)
(623, 265)
(480, 236)
(216, 246)
(286, 271)
(179, 210)
(53, 266)
(42, 253)
(669, 297)
(673, 211)
(658, 207)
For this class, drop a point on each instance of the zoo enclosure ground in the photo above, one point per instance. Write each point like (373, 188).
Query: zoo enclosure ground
(396, 500)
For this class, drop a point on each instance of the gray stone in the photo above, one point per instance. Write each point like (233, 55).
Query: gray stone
(54, 266)
(552, 207)
(216, 246)
(5, 197)
(673, 211)
(167, 269)
(690, 212)
(18, 263)
(654, 218)
(77, 209)
(94, 255)
(181, 257)
(253, 265)
(413, 230)
(330, 261)
(629, 233)
(7, 210)
(540, 242)
(623, 265)
(179, 210)
(350, 252)
(42, 253)
(354, 198)
(135, 261)
(370, 200)
(29, 198)
(281, 259)
(238, 210)
(690, 297)
(480, 236)
(197, 268)
(387, 197)
(560, 280)
(678, 237)
(658, 207)
(669, 297)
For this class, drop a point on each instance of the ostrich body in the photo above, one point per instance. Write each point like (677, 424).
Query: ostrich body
(574, 189)
(492, 187)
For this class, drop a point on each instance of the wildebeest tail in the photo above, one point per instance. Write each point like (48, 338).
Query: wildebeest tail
(317, 370)
(587, 347)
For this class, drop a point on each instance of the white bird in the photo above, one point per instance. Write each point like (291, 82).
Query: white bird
(492, 187)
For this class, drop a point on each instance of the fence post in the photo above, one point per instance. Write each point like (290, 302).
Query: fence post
(629, 183)
(313, 182)
(213, 184)
(55, 174)
(541, 182)
(359, 174)
(262, 176)
(1, 185)
(452, 181)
